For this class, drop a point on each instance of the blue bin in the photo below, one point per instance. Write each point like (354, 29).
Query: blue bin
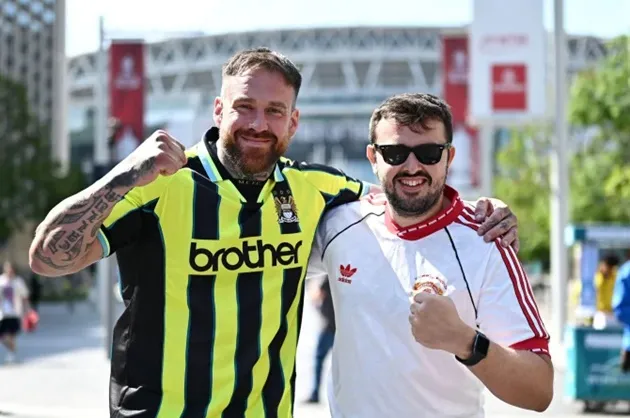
(593, 372)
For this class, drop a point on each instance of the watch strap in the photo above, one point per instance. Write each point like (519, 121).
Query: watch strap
(480, 347)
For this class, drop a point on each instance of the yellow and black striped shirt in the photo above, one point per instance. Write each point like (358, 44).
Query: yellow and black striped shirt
(213, 285)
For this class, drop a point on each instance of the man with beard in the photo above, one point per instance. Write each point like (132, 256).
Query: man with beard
(479, 325)
(212, 245)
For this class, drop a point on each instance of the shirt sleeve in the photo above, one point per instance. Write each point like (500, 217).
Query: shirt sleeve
(336, 187)
(507, 311)
(125, 223)
(316, 269)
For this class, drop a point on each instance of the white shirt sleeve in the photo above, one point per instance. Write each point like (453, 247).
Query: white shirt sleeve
(316, 268)
(507, 311)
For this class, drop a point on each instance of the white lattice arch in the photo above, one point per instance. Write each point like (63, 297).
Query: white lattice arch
(339, 65)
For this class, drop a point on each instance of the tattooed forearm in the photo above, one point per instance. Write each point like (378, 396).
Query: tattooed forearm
(128, 179)
(71, 228)
(49, 261)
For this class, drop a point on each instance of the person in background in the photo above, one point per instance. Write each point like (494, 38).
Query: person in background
(323, 299)
(621, 309)
(605, 283)
(13, 304)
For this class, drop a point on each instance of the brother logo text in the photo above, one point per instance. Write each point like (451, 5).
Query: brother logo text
(253, 255)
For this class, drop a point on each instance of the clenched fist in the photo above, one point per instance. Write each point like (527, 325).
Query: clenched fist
(436, 324)
(159, 154)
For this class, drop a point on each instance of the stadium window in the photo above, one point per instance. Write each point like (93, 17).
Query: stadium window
(9, 42)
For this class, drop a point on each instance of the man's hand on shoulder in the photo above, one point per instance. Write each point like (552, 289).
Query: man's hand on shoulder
(497, 221)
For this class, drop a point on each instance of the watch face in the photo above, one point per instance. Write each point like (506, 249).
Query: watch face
(482, 344)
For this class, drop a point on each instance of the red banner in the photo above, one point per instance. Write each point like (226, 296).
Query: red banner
(126, 94)
(509, 87)
(455, 75)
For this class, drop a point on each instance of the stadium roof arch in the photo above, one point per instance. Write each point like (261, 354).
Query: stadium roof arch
(340, 66)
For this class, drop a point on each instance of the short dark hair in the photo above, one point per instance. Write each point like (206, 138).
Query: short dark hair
(257, 58)
(411, 110)
(611, 260)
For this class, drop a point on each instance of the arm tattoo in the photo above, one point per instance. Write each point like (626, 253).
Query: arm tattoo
(129, 178)
(49, 261)
(75, 228)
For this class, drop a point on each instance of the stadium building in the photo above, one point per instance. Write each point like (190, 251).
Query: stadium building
(347, 73)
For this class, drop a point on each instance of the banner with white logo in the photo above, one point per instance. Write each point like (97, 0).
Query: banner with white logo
(464, 173)
(126, 94)
(508, 62)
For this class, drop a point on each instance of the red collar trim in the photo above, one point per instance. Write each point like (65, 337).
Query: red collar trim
(431, 225)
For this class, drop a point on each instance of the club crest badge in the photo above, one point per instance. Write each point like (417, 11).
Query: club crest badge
(285, 207)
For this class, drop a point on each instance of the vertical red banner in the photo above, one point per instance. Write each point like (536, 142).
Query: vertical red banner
(126, 94)
(464, 173)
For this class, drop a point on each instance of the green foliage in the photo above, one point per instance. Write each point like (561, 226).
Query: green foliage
(29, 182)
(600, 169)
(523, 183)
(601, 98)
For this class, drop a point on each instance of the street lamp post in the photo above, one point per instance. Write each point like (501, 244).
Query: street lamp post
(105, 131)
(559, 180)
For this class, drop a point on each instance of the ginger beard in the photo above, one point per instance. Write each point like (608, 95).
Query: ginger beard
(253, 159)
(410, 205)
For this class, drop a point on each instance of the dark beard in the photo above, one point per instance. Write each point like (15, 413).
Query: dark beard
(416, 207)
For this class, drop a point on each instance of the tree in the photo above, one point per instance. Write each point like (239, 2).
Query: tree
(601, 98)
(600, 172)
(30, 184)
(522, 181)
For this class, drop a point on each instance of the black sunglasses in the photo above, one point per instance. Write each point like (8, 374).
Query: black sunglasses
(427, 154)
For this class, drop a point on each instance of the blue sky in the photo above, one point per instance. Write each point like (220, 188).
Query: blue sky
(150, 19)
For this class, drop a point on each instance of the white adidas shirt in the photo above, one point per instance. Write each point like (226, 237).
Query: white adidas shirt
(378, 369)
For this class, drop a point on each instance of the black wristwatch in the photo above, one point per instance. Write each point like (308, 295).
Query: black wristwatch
(481, 343)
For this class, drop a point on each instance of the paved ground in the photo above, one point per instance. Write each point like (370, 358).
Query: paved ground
(64, 372)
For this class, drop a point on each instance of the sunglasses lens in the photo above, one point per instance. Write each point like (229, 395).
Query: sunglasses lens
(429, 154)
(395, 154)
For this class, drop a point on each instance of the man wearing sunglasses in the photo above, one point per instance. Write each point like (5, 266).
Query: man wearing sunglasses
(399, 353)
